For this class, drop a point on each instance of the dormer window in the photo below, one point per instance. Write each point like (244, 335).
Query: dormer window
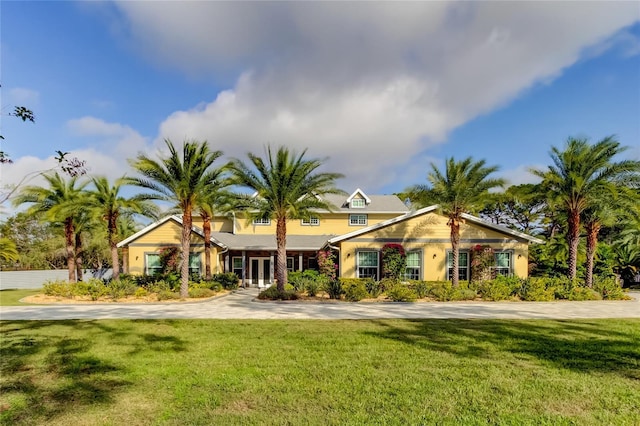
(358, 203)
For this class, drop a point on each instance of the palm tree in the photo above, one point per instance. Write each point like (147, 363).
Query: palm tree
(215, 200)
(463, 187)
(59, 203)
(287, 187)
(580, 174)
(8, 250)
(181, 180)
(112, 206)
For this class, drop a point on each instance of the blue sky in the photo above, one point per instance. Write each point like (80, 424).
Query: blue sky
(382, 89)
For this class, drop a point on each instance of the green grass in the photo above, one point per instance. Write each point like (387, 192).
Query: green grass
(11, 297)
(203, 372)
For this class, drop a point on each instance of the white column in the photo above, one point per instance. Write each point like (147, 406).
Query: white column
(244, 268)
(272, 267)
(300, 262)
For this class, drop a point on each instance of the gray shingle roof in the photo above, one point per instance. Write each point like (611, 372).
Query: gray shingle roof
(379, 204)
(268, 242)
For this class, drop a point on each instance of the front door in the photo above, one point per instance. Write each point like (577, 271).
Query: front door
(260, 271)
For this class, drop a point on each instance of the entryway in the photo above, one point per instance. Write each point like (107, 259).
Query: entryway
(260, 271)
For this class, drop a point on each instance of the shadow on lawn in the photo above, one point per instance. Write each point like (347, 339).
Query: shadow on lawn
(584, 346)
(49, 373)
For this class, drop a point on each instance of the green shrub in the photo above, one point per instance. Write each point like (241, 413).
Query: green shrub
(440, 290)
(228, 280)
(562, 286)
(537, 289)
(584, 293)
(421, 288)
(354, 291)
(200, 292)
(272, 293)
(497, 289)
(118, 289)
(158, 286)
(333, 288)
(141, 292)
(401, 293)
(463, 294)
(373, 287)
(168, 295)
(96, 289)
(298, 279)
(312, 286)
(208, 284)
(609, 289)
(58, 288)
(386, 283)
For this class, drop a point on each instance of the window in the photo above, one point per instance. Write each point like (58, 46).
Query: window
(290, 264)
(413, 265)
(503, 263)
(368, 264)
(357, 219)
(262, 221)
(236, 267)
(194, 263)
(312, 263)
(152, 264)
(358, 203)
(463, 265)
(312, 221)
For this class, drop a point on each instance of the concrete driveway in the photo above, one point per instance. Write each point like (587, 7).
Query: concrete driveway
(241, 304)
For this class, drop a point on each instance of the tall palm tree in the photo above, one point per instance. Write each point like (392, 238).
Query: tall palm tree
(462, 188)
(287, 186)
(580, 174)
(215, 200)
(112, 206)
(60, 203)
(180, 179)
(8, 250)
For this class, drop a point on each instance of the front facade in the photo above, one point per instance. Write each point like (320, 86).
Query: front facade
(356, 230)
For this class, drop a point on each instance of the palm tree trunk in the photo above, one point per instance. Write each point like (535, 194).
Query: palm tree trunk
(186, 246)
(593, 228)
(206, 228)
(69, 232)
(455, 241)
(573, 238)
(113, 246)
(281, 240)
(79, 253)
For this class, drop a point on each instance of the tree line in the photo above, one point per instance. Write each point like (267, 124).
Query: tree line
(587, 193)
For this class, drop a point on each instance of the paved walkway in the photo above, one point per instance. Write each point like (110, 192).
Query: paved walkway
(242, 305)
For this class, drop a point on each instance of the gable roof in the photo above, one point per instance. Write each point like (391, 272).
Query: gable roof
(377, 204)
(362, 194)
(426, 210)
(175, 218)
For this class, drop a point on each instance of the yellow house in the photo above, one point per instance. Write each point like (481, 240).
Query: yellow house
(356, 230)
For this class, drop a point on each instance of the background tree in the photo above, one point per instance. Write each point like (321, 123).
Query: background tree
(462, 188)
(214, 200)
(580, 174)
(59, 203)
(287, 186)
(180, 179)
(8, 251)
(111, 206)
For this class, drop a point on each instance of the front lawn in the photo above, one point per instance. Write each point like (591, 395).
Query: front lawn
(11, 297)
(202, 372)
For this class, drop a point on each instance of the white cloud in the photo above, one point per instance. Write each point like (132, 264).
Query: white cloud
(115, 139)
(368, 84)
(521, 174)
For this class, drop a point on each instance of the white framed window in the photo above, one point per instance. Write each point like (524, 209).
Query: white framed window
(503, 262)
(358, 203)
(195, 264)
(312, 221)
(414, 264)
(236, 267)
(290, 264)
(368, 263)
(262, 221)
(152, 264)
(357, 219)
(463, 265)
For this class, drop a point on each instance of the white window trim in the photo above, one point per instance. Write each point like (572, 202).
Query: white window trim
(146, 262)
(446, 271)
(366, 219)
(233, 268)
(510, 253)
(421, 259)
(313, 221)
(358, 262)
(262, 222)
(358, 201)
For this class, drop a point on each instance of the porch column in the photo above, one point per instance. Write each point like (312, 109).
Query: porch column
(228, 262)
(271, 267)
(244, 268)
(300, 262)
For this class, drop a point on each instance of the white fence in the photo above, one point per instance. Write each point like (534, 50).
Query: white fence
(35, 279)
